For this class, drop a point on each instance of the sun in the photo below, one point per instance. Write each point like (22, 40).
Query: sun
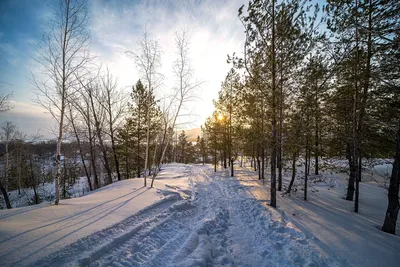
(220, 117)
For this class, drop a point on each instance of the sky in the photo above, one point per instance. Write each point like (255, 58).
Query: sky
(115, 27)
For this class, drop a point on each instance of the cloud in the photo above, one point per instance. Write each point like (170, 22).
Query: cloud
(29, 118)
(214, 31)
(115, 27)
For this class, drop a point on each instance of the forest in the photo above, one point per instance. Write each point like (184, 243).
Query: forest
(314, 81)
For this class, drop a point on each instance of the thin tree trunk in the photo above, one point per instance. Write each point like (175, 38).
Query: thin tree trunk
(262, 141)
(316, 152)
(273, 154)
(356, 140)
(78, 140)
(146, 161)
(280, 131)
(306, 171)
(7, 162)
(115, 155)
(154, 163)
(64, 181)
(366, 88)
(389, 225)
(350, 186)
(101, 144)
(5, 195)
(215, 153)
(19, 170)
(294, 156)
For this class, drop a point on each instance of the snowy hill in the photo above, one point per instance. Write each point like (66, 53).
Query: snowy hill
(192, 218)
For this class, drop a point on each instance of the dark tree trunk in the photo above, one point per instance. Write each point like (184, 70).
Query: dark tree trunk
(274, 144)
(262, 164)
(116, 161)
(232, 174)
(64, 175)
(5, 195)
(78, 140)
(316, 146)
(350, 186)
(225, 161)
(101, 144)
(392, 211)
(306, 171)
(293, 173)
(215, 159)
(93, 161)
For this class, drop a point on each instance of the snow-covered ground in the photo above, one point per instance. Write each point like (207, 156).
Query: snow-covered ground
(328, 218)
(192, 218)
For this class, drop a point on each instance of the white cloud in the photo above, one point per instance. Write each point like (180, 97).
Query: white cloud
(214, 30)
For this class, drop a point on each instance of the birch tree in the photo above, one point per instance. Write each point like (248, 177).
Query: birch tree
(62, 53)
(185, 90)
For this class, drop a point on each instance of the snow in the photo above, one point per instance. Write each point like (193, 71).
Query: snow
(30, 233)
(46, 192)
(327, 218)
(191, 218)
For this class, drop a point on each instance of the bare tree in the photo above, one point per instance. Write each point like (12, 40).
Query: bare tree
(184, 92)
(93, 95)
(114, 105)
(5, 102)
(86, 114)
(148, 63)
(8, 133)
(72, 118)
(62, 53)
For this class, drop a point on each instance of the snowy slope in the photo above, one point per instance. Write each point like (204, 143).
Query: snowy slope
(329, 218)
(202, 220)
(30, 233)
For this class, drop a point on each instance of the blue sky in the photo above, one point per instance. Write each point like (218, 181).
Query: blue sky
(115, 26)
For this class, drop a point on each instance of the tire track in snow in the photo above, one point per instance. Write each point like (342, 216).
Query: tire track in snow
(222, 226)
(139, 249)
(89, 248)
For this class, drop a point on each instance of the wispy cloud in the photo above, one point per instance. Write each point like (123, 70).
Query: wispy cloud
(213, 26)
(115, 27)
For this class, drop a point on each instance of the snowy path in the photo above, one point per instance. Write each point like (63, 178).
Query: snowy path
(221, 225)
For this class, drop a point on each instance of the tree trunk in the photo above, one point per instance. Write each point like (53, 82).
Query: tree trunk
(350, 186)
(101, 144)
(389, 225)
(5, 195)
(316, 152)
(280, 130)
(78, 140)
(232, 174)
(306, 170)
(294, 156)
(115, 155)
(93, 157)
(356, 121)
(146, 161)
(64, 181)
(273, 154)
(58, 160)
